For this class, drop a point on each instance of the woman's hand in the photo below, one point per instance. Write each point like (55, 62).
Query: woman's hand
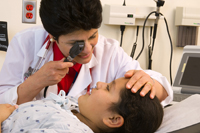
(52, 72)
(6, 110)
(139, 78)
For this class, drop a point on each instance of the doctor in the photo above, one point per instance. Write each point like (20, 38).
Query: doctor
(64, 23)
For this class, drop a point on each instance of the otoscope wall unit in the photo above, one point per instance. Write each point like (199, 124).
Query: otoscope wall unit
(128, 15)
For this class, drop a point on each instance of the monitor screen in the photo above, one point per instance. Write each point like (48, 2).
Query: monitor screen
(191, 73)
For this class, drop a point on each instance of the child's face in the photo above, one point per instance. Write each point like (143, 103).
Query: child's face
(65, 43)
(95, 106)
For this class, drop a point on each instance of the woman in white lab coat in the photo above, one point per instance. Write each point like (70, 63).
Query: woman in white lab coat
(65, 22)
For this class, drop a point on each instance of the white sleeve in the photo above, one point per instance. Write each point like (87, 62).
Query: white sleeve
(11, 73)
(164, 82)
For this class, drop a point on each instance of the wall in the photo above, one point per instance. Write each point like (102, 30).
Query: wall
(11, 10)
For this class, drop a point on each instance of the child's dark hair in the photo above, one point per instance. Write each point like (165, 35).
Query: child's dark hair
(141, 114)
(60, 17)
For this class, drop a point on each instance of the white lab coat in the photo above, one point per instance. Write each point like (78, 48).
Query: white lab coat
(108, 62)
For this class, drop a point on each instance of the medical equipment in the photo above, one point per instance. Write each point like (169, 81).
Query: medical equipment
(150, 52)
(187, 20)
(187, 16)
(127, 15)
(187, 78)
(135, 44)
(157, 14)
(3, 36)
(136, 16)
(75, 50)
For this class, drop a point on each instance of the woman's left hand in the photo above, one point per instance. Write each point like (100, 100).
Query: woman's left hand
(139, 78)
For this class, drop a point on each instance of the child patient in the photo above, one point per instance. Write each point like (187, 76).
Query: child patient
(109, 108)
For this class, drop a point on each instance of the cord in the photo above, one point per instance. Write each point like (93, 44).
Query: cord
(122, 28)
(170, 64)
(170, 68)
(143, 34)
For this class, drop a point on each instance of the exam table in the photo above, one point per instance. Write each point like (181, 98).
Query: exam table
(182, 117)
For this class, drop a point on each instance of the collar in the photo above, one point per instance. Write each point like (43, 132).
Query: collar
(43, 49)
(77, 67)
(64, 101)
(93, 62)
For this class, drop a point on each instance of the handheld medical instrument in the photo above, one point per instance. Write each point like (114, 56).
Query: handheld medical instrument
(150, 50)
(75, 50)
(135, 44)
(159, 4)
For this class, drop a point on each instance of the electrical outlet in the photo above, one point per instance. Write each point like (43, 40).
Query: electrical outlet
(29, 11)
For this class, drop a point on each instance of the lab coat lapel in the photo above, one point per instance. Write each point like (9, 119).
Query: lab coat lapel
(84, 78)
(42, 50)
(49, 56)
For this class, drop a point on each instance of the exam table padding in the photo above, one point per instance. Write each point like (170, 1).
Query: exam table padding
(181, 115)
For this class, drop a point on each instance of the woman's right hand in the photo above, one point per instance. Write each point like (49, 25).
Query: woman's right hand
(49, 74)
(52, 72)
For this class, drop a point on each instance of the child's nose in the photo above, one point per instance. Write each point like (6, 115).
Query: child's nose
(101, 85)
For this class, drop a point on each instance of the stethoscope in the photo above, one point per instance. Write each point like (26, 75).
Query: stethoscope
(76, 49)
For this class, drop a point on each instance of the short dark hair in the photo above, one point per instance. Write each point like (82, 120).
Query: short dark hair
(60, 17)
(141, 114)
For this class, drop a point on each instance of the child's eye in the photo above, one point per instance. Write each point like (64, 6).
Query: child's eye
(107, 87)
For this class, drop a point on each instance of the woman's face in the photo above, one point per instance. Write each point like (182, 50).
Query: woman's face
(65, 43)
(95, 106)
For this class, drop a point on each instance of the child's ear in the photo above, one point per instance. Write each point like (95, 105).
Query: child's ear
(114, 121)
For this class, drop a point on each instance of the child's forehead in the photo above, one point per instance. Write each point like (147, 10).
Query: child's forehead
(121, 82)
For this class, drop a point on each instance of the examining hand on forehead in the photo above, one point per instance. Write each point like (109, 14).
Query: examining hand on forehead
(139, 78)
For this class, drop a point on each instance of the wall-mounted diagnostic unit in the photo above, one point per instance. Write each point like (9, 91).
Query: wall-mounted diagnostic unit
(127, 15)
(187, 16)
(188, 21)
